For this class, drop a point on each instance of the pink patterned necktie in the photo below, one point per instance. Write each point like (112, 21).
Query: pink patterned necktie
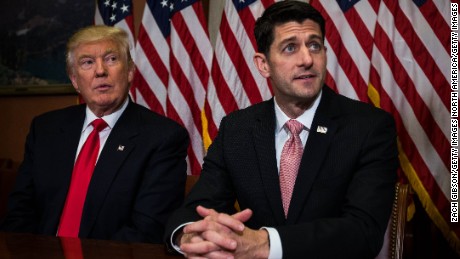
(81, 176)
(289, 162)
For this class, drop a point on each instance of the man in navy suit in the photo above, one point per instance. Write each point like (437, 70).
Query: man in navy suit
(344, 187)
(140, 173)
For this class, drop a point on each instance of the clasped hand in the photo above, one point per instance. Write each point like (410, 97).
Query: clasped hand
(219, 235)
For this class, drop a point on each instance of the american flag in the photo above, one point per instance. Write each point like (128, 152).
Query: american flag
(116, 13)
(235, 82)
(396, 55)
(173, 57)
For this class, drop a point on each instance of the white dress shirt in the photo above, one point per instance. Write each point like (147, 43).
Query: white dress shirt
(110, 119)
(282, 134)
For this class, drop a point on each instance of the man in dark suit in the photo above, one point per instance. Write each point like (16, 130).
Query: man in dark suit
(139, 177)
(344, 184)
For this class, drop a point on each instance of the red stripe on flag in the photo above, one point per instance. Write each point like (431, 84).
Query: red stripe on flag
(186, 90)
(237, 57)
(365, 38)
(194, 164)
(189, 43)
(141, 85)
(410, 149)
(404, 81)
(248, 23)
(421, 54)
(226, 97)
(437, 23)
(152, 55)
(343, 56)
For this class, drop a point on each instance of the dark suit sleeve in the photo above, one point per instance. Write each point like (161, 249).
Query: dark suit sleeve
(161, 190)
(22, 215)
(359, 231)
(212, 190)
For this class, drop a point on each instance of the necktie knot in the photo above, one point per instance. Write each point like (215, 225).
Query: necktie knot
(99, 124)
(294, 127)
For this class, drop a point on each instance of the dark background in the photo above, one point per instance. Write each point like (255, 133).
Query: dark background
(33, 35)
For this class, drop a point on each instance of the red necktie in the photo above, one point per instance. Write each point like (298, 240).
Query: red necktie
(81, 176)
(289, 162)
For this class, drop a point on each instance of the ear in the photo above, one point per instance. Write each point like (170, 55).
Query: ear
(73, 79)
(261, 63)
(132, 69)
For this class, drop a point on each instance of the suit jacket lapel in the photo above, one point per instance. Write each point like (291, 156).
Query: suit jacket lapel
(264, 140)
(117, 148)
(67, 140)
(314, 153)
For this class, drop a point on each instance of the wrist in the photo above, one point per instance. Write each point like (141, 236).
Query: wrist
(264, 245)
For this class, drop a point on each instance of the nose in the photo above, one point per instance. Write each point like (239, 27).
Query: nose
(101, 70)
(305, 57)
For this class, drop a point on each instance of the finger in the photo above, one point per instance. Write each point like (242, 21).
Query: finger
(219, 255)
(192, 256)
(204, 212)
(199, 248)
(243, 216)
(225, 242)
(196, 239)
(212, 255)
(205, 225)
(221, 223)
(224, 219)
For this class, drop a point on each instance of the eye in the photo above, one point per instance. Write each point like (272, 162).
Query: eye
(111, 59)
(86, 63)
(315, 47)
(289, 48)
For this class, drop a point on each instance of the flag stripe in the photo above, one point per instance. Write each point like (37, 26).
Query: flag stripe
(338, 39)
(424, 56)
(238, 60)
(333, 72)
(422, 98)
(193, 162)
(248, 21)
(409, 74)
(224, 95)
(436, 21)
(175, 58)
(235, 82)
(152, 53)
(409, 119)
(149, 76)
(147, 94)
(409, 146)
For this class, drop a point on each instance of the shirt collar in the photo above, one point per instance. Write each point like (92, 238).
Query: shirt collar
(306, 118)
(110, 119)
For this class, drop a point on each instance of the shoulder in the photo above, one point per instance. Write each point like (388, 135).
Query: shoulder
(61, 116)
(251, 113)
(152, 121)
(337, 105)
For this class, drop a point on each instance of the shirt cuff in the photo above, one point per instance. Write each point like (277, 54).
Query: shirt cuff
(276, 250)
(173, 237)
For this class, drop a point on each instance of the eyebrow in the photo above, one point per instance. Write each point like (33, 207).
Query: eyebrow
(293, 38)
(107, 52)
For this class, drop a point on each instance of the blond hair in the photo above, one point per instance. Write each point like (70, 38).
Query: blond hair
(96, 33)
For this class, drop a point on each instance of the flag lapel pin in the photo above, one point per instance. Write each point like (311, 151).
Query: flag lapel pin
(321, 129)
(121, 148)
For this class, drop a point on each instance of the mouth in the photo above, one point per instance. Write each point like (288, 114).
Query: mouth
(102, 87)
(305, 77)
